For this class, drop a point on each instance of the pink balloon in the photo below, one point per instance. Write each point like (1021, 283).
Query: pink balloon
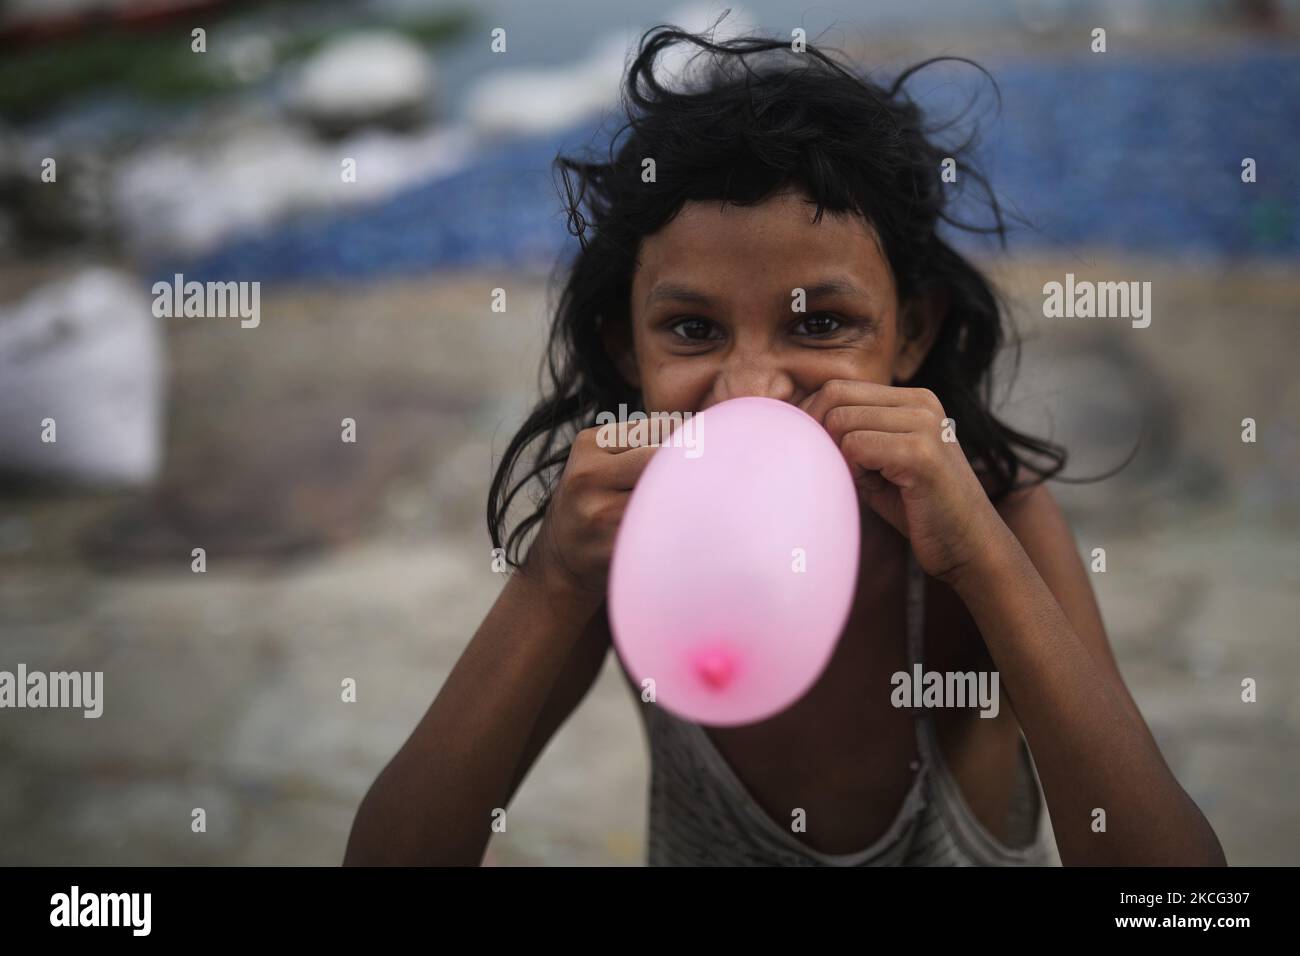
(705, 593)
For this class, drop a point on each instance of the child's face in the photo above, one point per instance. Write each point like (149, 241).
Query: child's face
(713, 307)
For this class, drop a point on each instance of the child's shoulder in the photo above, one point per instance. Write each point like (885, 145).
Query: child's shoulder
(1030, 508)
(1032, 513)
(1040, 525)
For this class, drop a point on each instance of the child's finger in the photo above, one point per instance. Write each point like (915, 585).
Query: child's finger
(843, 419)
(619, 437)
(842, 391)
(890, 453)
(871, 481)
(621, 471)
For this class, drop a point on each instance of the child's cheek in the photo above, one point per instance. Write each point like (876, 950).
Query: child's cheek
(676, 386)
(857, 366)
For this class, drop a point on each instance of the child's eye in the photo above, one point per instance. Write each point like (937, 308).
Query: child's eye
(821, 323)
(694, 329)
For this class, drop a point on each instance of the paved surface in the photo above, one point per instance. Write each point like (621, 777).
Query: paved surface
(328, 561)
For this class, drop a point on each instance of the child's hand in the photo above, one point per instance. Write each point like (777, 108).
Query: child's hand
(576, 540)
(893, 440)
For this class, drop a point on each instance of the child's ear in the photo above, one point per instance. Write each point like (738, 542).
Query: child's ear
(617, 339)
(920, 320)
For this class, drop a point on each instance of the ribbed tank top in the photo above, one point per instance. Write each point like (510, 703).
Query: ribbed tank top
(701, 814)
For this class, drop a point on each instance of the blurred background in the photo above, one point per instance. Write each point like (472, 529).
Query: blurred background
(370, 561)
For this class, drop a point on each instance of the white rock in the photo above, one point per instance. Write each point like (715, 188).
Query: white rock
(364, 76)
(86, 352)
(181, 199)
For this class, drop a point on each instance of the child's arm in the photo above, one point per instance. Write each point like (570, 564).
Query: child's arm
(1031, 599)
(528, 666)
(1090, 744)
(530, 663)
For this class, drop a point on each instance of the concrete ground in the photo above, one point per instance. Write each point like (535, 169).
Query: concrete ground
(329, 561)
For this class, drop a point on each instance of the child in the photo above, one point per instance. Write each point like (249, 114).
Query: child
(775, 171)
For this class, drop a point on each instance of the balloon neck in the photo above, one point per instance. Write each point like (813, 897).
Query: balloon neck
(716, 666)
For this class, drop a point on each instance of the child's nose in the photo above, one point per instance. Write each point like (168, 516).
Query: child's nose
(755, 380)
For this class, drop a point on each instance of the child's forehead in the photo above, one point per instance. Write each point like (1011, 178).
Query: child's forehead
(776, 242)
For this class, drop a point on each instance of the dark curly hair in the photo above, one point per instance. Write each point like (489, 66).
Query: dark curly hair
(757, 117)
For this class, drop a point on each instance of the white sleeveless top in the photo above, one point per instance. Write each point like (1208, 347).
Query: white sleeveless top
(701, 814)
